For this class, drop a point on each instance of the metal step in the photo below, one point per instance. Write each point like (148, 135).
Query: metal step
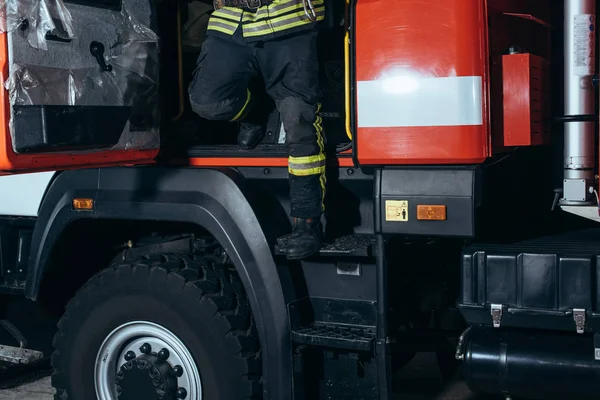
(345, 246)
(19, 355)
(335, 335)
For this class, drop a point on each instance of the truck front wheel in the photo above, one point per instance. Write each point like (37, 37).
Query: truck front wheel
(160, 327)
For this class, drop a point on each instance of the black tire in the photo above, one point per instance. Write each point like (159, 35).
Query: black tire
(204, 305)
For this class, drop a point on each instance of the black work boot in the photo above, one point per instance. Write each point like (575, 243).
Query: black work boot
(250, 135)
(305, 239)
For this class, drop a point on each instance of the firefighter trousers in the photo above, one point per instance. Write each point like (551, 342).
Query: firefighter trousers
(289, 68)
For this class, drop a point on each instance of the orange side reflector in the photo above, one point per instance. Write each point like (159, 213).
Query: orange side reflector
(83, 204)
(431, 213)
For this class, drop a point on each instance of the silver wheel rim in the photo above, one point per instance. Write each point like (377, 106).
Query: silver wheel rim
(130, 337)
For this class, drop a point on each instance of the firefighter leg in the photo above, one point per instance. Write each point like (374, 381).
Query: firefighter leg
(306, 167)
(290, 69)
(219, 89)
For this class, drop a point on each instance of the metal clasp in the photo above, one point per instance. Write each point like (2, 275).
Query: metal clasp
(579, 317)
(496, 311)
(309, 10)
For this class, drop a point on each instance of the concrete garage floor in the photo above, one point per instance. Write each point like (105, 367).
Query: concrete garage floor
(39, 390)
(418, 381)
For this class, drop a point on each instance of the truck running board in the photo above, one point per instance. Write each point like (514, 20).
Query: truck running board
(19, 355)
(336, 336)
(344, 246)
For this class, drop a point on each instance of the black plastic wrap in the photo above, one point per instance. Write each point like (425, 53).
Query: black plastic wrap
(66, 85)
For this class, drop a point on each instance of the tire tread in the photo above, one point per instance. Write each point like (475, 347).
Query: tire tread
(213, 282)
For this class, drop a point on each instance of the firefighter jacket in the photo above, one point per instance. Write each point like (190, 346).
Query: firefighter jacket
(281, 17)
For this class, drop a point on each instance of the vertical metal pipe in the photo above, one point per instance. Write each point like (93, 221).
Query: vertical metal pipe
(580, 58)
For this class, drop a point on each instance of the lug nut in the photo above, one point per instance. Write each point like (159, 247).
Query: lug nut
(181, 393)
(130, 355)
(163, 354)
(146, 348)
(154, 373)
(178, 371)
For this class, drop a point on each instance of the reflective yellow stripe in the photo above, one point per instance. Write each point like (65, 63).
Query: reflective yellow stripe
(321, 142)
(248, 97)
(296, 20)
(231, 13)
(307, 165)
(307, 171)
(269, 12)
(318, 124)
(278, 21)
(219, 26)
(276, 10)
(307, 159)
(224, 22)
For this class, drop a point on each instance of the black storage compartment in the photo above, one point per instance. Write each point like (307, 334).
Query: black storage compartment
(545, 283)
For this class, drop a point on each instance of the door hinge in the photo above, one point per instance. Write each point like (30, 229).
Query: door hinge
(579, 317)
(496, 311)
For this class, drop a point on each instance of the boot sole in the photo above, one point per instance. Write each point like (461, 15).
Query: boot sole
(301, 256)
(252, 145)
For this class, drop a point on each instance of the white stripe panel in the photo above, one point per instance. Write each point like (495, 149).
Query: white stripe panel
(21, 195)
(406, 101)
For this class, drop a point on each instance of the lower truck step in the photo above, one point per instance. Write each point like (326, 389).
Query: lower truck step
(336, 336)
(348, 246)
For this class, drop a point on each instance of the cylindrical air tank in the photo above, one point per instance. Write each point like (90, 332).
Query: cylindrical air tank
(579, 59)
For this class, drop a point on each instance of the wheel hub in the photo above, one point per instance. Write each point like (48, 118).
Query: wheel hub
(147, 377)
(144, 361)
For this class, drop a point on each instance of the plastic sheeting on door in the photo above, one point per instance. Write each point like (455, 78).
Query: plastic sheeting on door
(65, 73)
(36, 18)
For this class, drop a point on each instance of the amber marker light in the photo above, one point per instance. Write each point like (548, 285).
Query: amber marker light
(83, 204)
(431, 213)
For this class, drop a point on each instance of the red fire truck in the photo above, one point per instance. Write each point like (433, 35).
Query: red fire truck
(460, 217)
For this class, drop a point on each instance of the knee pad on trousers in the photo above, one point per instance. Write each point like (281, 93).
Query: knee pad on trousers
(223, 110)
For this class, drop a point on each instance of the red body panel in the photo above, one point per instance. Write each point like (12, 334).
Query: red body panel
(525, 111)
(254, 162)
(416, 43)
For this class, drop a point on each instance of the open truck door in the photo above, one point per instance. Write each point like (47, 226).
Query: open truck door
(80, 84)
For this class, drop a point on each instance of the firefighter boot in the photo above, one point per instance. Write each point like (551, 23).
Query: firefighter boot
(250, 135)
(305, 239)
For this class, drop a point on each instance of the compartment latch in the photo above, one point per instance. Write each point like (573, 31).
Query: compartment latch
(496, 311)
(579, 317)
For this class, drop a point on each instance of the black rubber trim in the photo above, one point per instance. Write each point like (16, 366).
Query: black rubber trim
(208, 197)
(577, 118)
(377, 211)
(234, 151)
(353, 109)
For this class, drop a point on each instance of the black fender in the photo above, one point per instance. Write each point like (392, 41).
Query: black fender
(210, 198)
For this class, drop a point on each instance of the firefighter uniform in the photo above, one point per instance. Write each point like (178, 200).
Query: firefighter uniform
(276, 39)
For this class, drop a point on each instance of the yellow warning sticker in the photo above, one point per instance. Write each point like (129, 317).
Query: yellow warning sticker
(396, 210)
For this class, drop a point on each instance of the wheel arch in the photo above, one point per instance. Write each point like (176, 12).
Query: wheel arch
(209, 198)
